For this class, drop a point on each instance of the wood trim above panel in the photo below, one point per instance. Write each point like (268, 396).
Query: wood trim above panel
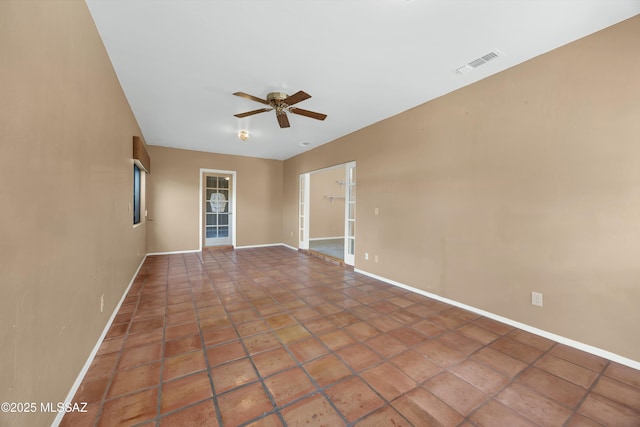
(140, 155)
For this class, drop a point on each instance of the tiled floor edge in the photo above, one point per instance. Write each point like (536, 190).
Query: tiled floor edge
(74, 388)
(188, 251)
(549, 335)
(266, 245)
(237, 247)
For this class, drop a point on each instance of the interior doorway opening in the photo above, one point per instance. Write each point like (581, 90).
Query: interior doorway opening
(327, 212)
(217, 208)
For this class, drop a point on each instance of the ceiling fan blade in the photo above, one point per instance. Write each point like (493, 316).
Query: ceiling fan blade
(307, 113)
(251, 97)
(283, 120)
(251, 113)
(296, 97)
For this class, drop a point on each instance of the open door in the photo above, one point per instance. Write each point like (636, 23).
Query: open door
(350, 214)
(303, 211)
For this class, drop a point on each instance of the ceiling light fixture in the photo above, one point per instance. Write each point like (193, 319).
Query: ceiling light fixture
(243, 135)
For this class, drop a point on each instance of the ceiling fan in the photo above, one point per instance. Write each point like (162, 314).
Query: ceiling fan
(282, 103)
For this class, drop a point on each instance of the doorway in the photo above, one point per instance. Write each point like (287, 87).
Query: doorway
(327, 212)
(217, 208)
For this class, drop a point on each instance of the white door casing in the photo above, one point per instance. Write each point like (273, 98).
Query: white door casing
(350, 214)
(303, 211)
(217, 208)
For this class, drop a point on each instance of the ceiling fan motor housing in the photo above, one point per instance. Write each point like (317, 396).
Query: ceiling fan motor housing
(276, 96)
(276, 100)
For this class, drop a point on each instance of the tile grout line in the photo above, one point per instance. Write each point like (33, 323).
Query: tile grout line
(277, 408)
(298, 364)
(319, 390)
(119, 357)
(256, 286)
(593, 385)
(508, 384)
(322, 390)
(419, 384)
(274, 409)
(387, 359)
(354, 373)
(163, 346)
(449, 330)
(204, 350)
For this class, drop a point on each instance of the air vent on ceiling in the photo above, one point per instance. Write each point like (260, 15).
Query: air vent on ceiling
(478, 62)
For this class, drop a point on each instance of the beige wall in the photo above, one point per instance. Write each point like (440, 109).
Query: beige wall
(526, 181)
(326, 216)
(65, 188)
(173, 197)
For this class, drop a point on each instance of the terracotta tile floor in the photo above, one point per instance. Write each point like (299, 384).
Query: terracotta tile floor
(272, 337)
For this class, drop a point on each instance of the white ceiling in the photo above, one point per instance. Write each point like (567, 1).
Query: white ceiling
(179, 61)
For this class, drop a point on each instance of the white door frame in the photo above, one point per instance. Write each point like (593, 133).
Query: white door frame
(304, 186)
(349, 223)
(232, 205)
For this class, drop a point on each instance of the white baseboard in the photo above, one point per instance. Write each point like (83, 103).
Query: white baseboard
(549, 335)
(174, 252)
(325, 238)
(92, 355)
(265, 245)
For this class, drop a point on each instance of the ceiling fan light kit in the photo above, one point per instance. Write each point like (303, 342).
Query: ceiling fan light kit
(243, 135)
(282, 103)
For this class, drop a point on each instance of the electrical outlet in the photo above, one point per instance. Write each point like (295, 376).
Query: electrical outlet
(102, 303)
(375, 211)
(375, 258)
(366, 255)
(536, 299)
